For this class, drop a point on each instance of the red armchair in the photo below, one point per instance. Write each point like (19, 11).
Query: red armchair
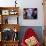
(29, 33)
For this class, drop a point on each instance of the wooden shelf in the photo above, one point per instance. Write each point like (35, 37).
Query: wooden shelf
(9, 26)
(10, 9)
(9, 43)
(15, 9)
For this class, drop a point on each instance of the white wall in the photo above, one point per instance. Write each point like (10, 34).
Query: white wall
(32, 4)
(7, 3)
(27, 4)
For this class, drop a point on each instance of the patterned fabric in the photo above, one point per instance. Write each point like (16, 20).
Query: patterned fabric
(28, 34)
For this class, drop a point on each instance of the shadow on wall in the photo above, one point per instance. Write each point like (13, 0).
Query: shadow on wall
(37, 29)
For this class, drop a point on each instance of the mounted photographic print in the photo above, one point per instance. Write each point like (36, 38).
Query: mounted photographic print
(30, 13)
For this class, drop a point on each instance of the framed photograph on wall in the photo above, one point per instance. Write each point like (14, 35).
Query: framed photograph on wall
(30, 13)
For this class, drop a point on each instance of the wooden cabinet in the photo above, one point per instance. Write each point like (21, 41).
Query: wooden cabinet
(9, 15)
(9, 24)
(10, 43)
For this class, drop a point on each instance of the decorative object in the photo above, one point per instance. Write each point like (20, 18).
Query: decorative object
(15, 30)
(32, 41)
(30, 13)
(9, 34)
(9, 19)
(5, 19)
(30, 38)
(15, 3)
(5, 12)
(13, 12)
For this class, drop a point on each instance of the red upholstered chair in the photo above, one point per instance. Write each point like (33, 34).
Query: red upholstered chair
(29, 33)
